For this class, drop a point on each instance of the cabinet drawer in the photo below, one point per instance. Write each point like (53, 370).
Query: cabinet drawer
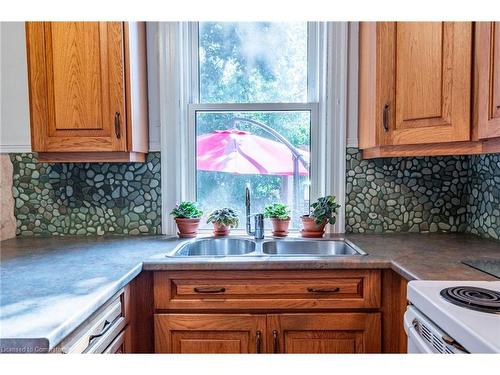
(253, 290)
(117, 346)
(95, 334)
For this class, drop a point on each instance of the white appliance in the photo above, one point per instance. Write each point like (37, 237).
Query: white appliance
(453, 317)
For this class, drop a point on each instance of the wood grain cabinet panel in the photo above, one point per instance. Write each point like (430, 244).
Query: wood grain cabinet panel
(487, 79)
(335, 333)
(328, 311)
(81, 78)
(253, 290)
(431, 96)
(210, 333)
(416, 91)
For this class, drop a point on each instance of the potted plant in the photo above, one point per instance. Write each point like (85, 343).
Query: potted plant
(187, 217)
(223, 219)
(323, 212)
(279, 214)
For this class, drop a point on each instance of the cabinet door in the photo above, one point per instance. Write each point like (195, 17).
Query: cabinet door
(209, 333)
(76, 79)
(324, 333)
(425, 80)
(487, 79)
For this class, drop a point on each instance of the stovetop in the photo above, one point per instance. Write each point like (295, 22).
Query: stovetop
(473, 298)
(477, 331)
(489, 266)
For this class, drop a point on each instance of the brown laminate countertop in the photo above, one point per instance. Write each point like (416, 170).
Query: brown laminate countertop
(49, 286)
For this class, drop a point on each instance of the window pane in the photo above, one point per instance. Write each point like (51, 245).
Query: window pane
(233, 153)
(253, 62)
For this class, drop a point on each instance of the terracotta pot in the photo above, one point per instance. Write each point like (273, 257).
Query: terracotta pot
(311, 229)
(221, 230)
(188, 228)
(280, 227)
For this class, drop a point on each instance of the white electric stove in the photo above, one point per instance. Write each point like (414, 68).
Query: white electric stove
(453, 317)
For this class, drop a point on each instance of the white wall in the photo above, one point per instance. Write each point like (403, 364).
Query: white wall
(352, 86)
(153, 86)
(14, 101)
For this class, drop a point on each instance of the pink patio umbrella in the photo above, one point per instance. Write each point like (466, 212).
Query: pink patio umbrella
(240, 152)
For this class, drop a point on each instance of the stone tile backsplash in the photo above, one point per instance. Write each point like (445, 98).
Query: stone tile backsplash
(483, 204)
(83, 198)
(424, 194)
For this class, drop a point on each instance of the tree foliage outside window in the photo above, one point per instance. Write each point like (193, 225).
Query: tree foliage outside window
(253, 62)
(258, 62)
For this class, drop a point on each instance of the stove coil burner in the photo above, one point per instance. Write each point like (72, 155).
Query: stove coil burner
(473, 298)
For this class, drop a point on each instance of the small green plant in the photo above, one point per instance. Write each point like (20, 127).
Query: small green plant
(277, 211)
(186, 210)
(224, 216)
(323, 209)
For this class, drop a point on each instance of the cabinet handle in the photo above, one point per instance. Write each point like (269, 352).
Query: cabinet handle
(275, 342)
(258, 338)
(105, 328)
(385, 118)
(117, 125)
(323, 290)
(210, 290)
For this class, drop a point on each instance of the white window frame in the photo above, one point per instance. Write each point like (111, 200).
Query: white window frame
(327, 86)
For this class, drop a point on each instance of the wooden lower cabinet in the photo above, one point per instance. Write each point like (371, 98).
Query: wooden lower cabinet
(209, 333)
(327, 333)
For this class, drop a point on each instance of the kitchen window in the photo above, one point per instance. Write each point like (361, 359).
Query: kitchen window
(245, 106)
(252, 114)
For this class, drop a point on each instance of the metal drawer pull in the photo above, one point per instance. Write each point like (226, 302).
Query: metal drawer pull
(385, 117)
(210, 290)
(275, 341)
(257, 342)
(105, 328)
(323, 290)
(117, 125)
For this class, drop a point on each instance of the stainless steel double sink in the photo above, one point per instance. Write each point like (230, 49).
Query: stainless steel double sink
(239, 247)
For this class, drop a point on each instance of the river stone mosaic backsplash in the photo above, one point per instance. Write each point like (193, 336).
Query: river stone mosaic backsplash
(83, 198)
(424, 194)
(483, 206)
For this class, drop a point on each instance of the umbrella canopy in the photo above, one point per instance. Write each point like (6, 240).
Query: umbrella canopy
(240, 152)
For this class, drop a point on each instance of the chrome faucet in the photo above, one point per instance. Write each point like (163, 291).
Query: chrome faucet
(258, 233)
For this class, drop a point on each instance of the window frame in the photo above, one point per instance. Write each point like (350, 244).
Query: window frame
(327, 103)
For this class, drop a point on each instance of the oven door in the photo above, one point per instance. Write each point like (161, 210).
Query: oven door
(425, 337)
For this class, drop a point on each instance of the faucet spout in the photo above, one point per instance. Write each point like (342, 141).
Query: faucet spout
(258, 232)
(247, 205)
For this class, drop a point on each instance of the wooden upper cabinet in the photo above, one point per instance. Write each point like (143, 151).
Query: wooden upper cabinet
(414, 82)
(430, 98)
(87, 84)
(487, 80)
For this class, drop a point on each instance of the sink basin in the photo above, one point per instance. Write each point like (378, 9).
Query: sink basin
(215, 247)
(309, 248)
(233, 247)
